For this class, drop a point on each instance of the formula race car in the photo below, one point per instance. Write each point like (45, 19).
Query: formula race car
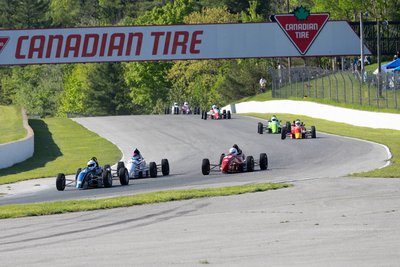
(91, 176)
(273, 126)
(297, 131)
(234, 163)
(185, 109)
(137, 167)
(215, 113)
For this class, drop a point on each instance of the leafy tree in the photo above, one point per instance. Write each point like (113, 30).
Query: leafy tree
(96, 89)
(23, 14)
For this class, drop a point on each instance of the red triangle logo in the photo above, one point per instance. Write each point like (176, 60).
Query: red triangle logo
(3, 42)
(302, 30)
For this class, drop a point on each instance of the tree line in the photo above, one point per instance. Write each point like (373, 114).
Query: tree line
(147, 87)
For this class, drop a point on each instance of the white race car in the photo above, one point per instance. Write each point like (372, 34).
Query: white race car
(137, 167)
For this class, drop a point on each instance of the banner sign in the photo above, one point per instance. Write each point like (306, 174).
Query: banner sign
(179, 42)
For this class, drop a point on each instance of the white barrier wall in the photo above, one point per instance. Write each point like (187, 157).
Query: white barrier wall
(18, 151)
(321, 111)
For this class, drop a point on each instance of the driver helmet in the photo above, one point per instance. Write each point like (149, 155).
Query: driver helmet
(273, 118)
(135, 156)
(186, 104)
(91, 164)
(233, 151)
(176, 104)
(297, 122)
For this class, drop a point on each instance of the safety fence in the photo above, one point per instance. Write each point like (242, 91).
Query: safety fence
(348, 86)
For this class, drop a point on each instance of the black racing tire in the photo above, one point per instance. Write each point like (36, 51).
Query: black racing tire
(283, 133)
(77, 174)
(263, 161)
(60, 182)
(120, 165)
(269, 130)
(221, 158)
(288, 127)
(205, 115)
(153, 169)
(313, 134)
(229, 114)
(202, 114)
(123, 175)
(165, 167)
(224, 111)
(303, 135)
(205, 167)
(165, 111)
(224, 116)
(259, 128)
(250, 163)
(107, 178)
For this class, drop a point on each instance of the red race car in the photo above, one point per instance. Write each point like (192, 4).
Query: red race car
(297, 131)
(234, 163)
(215, 113)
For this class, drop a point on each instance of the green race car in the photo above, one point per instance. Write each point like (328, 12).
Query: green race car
(273, 126)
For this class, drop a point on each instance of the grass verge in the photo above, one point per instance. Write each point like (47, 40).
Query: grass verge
(61, 145)
(57, 207)
(11, 124)
(382, 136)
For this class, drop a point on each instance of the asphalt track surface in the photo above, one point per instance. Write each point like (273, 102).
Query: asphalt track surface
(186, 140)
(324, 220)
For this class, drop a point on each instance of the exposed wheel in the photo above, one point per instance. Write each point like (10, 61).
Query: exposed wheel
(120, 165)
(165, 111)
(205, 115)
(263, 161)
(229, 114)
(288, 127)
(77, 174)
(303, 135)
(60, 182)
(205, 167)
(313, 134)
(107, 178)
(250, 163)
(269, 130)
(224, 111)
(221, 158)
(153, 169)
(164, 167)
(259, 128)
(283, 133)
(123, 176)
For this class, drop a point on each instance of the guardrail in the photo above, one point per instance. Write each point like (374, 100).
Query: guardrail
(20, 150)
(349, 86)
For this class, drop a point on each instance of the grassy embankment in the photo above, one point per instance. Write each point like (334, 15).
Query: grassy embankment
(11, 124)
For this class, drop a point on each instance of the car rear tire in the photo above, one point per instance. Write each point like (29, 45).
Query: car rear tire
(153, 170)
(205, 167)
(313, 134)
(60, 182)
(77, 174)
(250, 163)
(165, 167)
(229, 114)
(283, 133)
(107, 178)
(221, 158)
(120, 165)
(288, 127)
(123, 176)
(263, 161)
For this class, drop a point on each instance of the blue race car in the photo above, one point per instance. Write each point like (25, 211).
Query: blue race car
(91, 176)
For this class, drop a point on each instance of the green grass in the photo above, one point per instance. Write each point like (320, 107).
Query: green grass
(57, 207)
(61, 145)
(11, 124)
(390, 138)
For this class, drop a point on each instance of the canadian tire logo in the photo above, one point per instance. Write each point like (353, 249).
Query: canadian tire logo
(3, 42)
(301, 27)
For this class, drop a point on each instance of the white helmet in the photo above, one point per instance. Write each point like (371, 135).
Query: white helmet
(176, 104)
(233, 151)
(186, 104)
(273, 118)
(298, 122)
(91, 164)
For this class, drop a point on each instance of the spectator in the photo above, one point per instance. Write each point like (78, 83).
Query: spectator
(263, 83)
